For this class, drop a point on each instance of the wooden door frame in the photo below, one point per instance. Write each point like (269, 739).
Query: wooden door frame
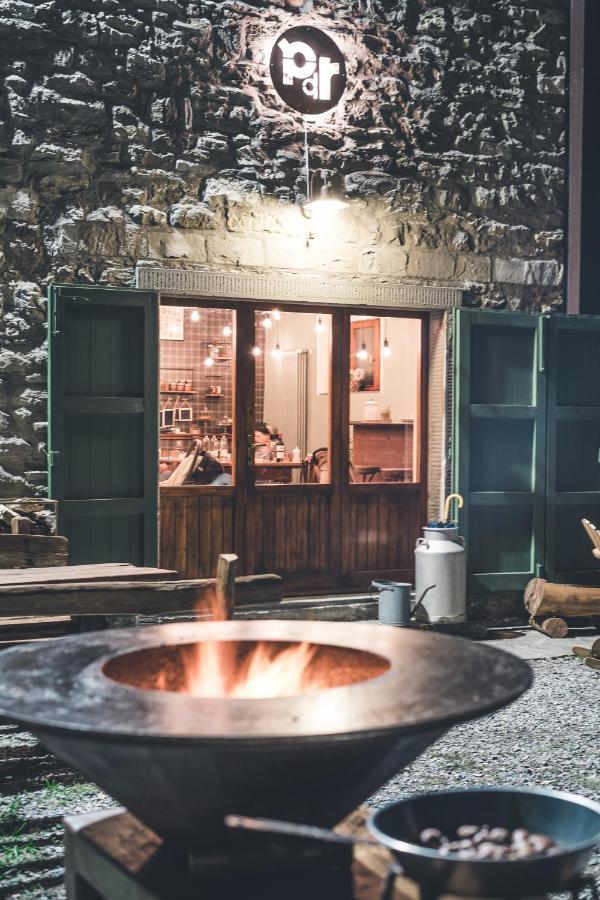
(339, 487)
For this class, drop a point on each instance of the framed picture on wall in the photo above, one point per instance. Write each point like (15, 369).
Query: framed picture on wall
(171, 323)
(365, 350)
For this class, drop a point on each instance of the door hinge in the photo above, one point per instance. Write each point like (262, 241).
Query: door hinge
(539, 570)
(54, 318)
(541, 343)
(53, 458)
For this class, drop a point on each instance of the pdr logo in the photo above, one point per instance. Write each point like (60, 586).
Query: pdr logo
(308, 70)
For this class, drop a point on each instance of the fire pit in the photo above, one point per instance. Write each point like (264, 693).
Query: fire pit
(184, 724)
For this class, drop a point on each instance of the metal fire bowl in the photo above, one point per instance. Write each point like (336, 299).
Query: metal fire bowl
(181, 763)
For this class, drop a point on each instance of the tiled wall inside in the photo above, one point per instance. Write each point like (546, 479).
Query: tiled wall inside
(183, 360)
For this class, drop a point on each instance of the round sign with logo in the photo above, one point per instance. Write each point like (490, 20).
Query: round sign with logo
(308, 70)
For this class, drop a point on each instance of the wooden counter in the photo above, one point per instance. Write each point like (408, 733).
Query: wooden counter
(388, 445)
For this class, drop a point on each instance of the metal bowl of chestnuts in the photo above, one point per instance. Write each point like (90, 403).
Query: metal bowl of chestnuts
(490, 841)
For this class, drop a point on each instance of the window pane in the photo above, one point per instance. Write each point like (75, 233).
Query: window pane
(385, 362)
(292, 400)
(196, 395)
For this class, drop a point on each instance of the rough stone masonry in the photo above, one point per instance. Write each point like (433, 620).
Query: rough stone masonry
(147, 130)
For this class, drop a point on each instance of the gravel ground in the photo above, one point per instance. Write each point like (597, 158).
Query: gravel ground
(547, 738)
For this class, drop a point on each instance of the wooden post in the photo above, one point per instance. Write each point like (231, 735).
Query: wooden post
(225, 585)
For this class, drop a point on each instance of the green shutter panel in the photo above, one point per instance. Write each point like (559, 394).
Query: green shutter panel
(498, 455)
(573, 470)
(103, 412)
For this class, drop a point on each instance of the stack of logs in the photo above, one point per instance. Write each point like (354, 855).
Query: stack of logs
(549, 605)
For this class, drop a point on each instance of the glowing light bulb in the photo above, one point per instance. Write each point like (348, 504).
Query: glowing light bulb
(267, 322)
(276, 353)
(320, 326)
(256, 351)
(195, 316)
(209, 361)
(387, 350)
(362, 353)
(227, 330)
(276, 314)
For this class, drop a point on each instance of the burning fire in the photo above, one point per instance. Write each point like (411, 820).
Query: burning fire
(247, 670)
(215, 669)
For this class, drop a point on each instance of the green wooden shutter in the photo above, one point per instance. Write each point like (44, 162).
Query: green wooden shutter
(499, 445)
(573, 471)
(103, 431)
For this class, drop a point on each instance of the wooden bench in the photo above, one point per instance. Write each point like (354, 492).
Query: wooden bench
(105, 595)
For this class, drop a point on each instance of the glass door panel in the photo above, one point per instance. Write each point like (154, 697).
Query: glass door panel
(384, 392)
(291, 439)
(197, 368)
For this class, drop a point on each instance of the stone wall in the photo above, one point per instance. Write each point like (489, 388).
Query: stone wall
(148, 130)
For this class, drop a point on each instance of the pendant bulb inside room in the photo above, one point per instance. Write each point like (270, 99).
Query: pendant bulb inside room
(320, 327)
(387, 350)
(362, 353)
(195, 316)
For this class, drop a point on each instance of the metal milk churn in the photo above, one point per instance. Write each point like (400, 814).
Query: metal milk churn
(441, 560)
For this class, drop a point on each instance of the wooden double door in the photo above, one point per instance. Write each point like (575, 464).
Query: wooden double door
(327, 528)
(337, 533)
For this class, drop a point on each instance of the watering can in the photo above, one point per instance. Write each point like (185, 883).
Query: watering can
(395, 603)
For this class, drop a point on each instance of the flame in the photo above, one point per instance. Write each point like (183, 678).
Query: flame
(214, 669)
(237, 669)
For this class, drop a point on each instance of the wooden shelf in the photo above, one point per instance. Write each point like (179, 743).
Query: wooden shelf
(178, 392)
(178, 436)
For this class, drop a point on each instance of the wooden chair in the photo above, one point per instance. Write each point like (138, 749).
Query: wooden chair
(363, 474)
(185, 467)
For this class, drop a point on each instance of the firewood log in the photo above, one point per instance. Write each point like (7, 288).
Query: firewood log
(592, 663)
(552, 626)
(544, 598)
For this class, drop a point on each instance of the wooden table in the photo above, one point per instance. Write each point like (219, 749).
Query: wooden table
(95, 572)
(39, 603)
(266, 469)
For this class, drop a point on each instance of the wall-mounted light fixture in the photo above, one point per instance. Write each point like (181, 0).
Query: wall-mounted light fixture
(323, 200)
(256, 351)
(267, 321)
(227, 330)
(195, 316)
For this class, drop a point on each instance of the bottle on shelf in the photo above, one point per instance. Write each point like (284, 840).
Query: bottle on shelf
(296, 455)
(279, 449)
(214, 446)
(223, 449)
(206, 443)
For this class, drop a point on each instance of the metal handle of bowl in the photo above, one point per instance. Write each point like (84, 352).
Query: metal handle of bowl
(276, 826)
